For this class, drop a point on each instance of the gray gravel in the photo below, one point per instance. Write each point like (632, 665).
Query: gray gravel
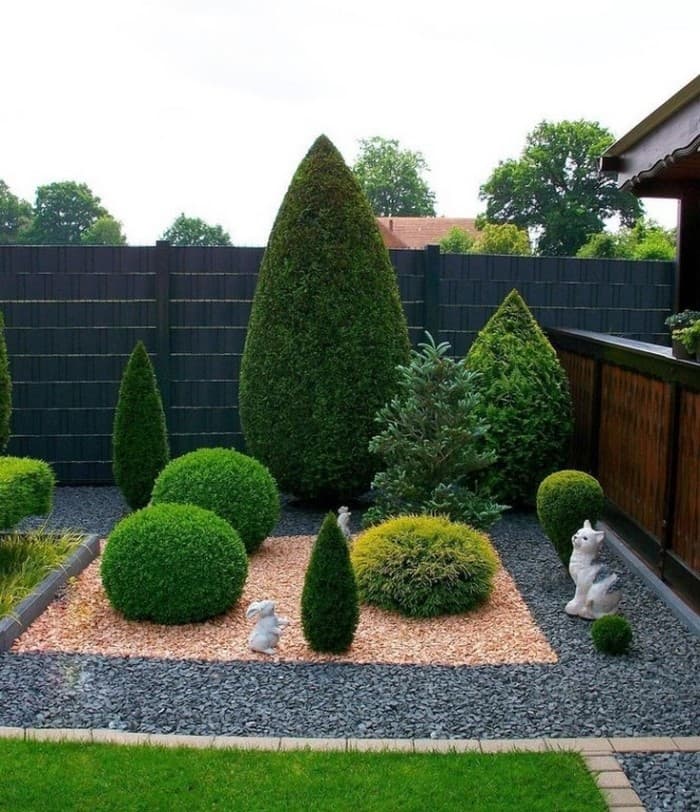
(665, 782)
(652, 691)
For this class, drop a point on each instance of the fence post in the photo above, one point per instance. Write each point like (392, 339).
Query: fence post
(162, 269)
(431, 290)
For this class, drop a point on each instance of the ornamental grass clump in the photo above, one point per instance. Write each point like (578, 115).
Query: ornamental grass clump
(424, 566)
(329, 603)
(525, 401)
(432, 441)
(139, 438)
(565, 499)
(173, 564)
(326, 332)
(233, 485)
(612, 634)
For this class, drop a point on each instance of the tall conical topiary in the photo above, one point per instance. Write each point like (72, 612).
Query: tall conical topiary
(329, 602)
(140, 439)
(326, 333)
(5, 390)
(525, 401)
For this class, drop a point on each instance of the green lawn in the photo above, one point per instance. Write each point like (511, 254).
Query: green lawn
(65, 777)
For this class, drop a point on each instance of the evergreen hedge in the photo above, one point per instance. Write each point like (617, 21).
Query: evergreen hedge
(26, 489)
(326, 333)
(140, 438)
(5, 390)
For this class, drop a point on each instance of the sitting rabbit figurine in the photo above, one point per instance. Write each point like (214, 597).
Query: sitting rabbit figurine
(266, 634)
(594, 597)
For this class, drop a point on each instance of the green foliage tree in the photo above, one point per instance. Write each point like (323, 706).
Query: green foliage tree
(139, 439)
(104, 231)
(5, 390)
(63, 212)
(330, 609)
(456, 241)
(505, 238)
(645, 240)
(326, 333)
(525, 400)
(15, 216)
(194, 231)
(432, 443)
(554, 188)
(392, 179)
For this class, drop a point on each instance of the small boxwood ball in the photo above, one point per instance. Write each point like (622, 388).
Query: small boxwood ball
(236, 487)
(424, 566)
(173, 564)
(612, 634)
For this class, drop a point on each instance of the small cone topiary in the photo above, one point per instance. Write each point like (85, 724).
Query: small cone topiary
(329, 603)
(5, 390)
(140, 439)
(326, 333)
(525, 401)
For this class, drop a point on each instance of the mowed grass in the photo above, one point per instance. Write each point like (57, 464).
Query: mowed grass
(25, 560)
(71, 776)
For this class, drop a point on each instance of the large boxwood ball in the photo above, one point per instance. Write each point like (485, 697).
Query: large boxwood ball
(173, 564)
(424, 566)
(236, 487)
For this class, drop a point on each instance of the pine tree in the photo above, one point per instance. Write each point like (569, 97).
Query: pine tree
(5, 391)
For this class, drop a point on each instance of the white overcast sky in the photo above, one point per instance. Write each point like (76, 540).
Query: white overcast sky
(207, 106)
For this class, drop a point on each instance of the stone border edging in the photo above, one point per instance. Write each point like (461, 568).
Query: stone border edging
(12, 626)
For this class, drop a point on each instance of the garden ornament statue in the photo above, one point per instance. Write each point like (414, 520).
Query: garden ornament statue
(266, 634)
(344, 521)
(594, 595)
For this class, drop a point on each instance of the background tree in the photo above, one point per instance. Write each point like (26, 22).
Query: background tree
(104, 231)
(63, 212)
(645, 240)
(456, 241)
(194, 231)
(503, 238)
(391, 178)
(554, 188)
(15, 216)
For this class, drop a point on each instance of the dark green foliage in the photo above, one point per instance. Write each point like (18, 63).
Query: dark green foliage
(612, 634)
(194, 231)
(236, 487)
(5, 390)
(524, 399)
(63, 212)
(173, 564)
(330, 607)
(140, 438)
(326, 333)
(26, 489)
(424, 566)
(432, 442)
(565, 500)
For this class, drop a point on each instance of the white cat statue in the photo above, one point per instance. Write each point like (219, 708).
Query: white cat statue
(594, 596)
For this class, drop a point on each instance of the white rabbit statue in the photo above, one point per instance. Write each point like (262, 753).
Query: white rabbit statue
(266, 634)
(593, 598)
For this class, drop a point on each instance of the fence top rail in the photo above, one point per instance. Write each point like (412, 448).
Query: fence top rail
(649, 359)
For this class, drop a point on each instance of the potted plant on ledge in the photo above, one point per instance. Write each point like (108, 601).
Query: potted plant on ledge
(689, 337)
(678, 323)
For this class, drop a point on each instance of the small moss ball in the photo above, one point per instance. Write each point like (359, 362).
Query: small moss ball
(424, 566)
(612, 634)
(236, 487)
(565, 500)
(173, 564)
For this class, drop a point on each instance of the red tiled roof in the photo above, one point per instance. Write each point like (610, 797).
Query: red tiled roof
(390, 239)
(417, 232)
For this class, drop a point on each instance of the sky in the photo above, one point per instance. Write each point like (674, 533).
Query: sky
(207, 106)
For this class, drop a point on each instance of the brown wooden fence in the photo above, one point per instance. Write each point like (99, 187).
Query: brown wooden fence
(637, 418)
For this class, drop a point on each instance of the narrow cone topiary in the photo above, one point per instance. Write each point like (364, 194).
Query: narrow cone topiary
(140, 439)
(525, 401)
(329, 603)
(326, 333)
(5, 390)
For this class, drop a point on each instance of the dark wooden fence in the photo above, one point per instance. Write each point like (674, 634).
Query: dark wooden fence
(73, 315)
(638, 431)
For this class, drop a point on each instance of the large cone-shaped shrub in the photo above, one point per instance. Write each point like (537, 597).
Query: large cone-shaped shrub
(525, 400)
(5, 390)
(140, 439)
(326, 333)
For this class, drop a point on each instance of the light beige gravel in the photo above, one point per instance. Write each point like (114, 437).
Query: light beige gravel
(81, 620)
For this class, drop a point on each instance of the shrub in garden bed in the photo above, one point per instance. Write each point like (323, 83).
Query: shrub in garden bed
(26, 489)
(612, 634)
(236, 487)
(424, 566)
(173, 564)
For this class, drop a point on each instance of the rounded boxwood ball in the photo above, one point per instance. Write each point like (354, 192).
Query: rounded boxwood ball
(612, 634)
(424, 566)
(173, 564)
(236, 487)
(565, 500)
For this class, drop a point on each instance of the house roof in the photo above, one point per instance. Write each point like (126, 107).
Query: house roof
(391, 240)
(417, 232)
